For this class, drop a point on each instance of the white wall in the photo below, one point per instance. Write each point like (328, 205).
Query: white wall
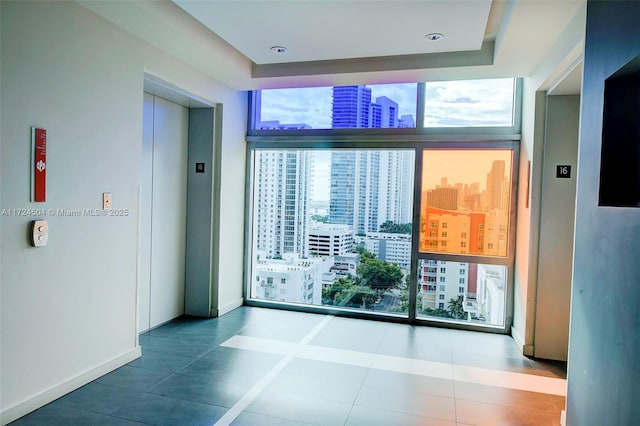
(68, 311)
(557, 213)
(567, 49)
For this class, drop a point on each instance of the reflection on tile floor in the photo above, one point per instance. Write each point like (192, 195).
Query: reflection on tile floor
(258, 366)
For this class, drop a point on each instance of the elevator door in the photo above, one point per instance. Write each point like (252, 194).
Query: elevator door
(163, 212)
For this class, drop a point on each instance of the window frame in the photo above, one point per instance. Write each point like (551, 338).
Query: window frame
(417, 139)
(459, 133)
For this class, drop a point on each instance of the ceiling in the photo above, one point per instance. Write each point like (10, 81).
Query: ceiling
(329, 30)
(334, 42)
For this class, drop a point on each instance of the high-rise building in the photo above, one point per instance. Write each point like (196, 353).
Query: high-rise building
(442, 198)
(281, 202)
(496, 194)
(441, 281)
(406, 120)
(351, 107)
(368, 187)
(330, 239)
(290, 279)
(393, 248)
(388, 113)
(342, 193)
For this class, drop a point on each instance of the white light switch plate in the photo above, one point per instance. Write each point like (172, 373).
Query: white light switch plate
(40, 233)
(106, 201)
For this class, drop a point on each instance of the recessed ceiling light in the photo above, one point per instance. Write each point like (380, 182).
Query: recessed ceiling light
(278, 49)
(434, 36)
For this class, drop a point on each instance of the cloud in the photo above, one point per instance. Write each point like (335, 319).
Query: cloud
(469, 103)
(448, 104)
(313, 105)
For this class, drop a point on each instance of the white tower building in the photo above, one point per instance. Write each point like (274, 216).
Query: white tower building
(281, 211)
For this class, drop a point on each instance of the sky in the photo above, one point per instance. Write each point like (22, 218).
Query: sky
(447, 104)
(312, 105)
(461, 166)
(469, 103)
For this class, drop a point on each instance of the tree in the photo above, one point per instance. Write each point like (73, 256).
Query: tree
(329, 293)
(456, 307)
(442, 313)
(365, 255)
(395, 228)
(346, 292)
(320, 218)
(403, 306)
(407, 281)
(379, 274)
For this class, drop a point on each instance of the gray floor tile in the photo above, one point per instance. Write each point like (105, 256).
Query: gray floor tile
(269, 331)
(159, 410)
(241, 372)
(395, 382)
(327, 370)
(202, 390)
(178, 347)
(97, 397)
(504, 396)
(482, 414)
(350, 338)
(253, 419)
(300, 409)
(407, 401)
(184, 377)
(136, 379)
(368, 416)
(495, 362)
(161, 361)
(422, 351)
(58, 415)
(316, 388)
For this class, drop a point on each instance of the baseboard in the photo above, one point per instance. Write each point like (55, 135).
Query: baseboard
(25, 407)
(563, 418)
(527, 350)
(227, 308)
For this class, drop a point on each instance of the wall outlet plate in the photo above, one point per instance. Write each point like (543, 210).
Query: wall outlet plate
(106, 201)
(40, 233)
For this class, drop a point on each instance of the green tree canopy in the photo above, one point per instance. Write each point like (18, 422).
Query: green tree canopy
(345, 292)
(456, 307)
(395, 228)
(320, 218)
(365, 255)
(379, 274)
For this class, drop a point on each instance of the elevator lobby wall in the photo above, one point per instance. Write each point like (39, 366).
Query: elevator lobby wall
(68, 310)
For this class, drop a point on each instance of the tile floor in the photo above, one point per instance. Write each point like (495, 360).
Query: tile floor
(258, 366)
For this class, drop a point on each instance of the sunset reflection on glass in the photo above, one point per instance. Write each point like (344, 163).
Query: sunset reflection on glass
(465, 201)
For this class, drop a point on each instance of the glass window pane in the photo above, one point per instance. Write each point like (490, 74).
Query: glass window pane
(479, 300)
(332, 228)
(358, 106)
(466, 200)
(469, 103)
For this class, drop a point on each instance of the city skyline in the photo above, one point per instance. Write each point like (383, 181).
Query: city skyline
(464, 209)
(474, 103)
(313, 105)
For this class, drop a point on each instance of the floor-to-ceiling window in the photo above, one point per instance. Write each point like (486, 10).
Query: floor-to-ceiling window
(391, 200)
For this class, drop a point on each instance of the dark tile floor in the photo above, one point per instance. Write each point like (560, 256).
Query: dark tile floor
(258, 366)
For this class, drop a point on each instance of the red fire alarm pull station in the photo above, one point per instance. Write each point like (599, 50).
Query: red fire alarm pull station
(39, 166)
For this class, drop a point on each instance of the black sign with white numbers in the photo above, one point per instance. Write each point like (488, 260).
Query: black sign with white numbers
(199, 167)
(563, 172)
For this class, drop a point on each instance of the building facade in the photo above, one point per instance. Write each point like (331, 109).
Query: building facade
(282, 202)
(330, 240)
